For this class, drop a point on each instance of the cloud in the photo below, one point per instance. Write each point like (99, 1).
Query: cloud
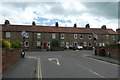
(66, 13)
(107, 9)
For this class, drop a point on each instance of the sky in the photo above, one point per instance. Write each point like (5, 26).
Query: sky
(66, 13)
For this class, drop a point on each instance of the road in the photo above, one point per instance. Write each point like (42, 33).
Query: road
(71, 64)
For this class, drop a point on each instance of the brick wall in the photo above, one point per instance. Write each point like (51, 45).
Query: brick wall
(9, 58)
(0, 62)
(114, 51)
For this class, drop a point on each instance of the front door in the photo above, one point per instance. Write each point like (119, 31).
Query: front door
(44, 45)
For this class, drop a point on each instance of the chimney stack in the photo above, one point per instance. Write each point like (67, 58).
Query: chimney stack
(87, 26)
(7, 23)
(56, 24)
(75, 25)
(103, 27)
(33, 23)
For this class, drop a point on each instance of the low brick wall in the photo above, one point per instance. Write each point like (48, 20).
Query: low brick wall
(113, 51)
(9, 58)
(0, 62)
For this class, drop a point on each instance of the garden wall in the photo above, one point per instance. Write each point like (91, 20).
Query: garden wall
(109, 51)
(114, 51)
(9, 58)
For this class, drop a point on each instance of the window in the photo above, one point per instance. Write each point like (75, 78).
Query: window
(100, 44)
(113, 37)
(38, 43)
(75, 43)
(26, 44)
(62, 36)
(62, 43)
(81, 36)
(89, 36)
(38, 35)
(53, 36)
(75, 36)
(7, 34)
(67, 45)
(90, 44)
(85, 44)
(48, 45)
(107, 36)
(103, 44)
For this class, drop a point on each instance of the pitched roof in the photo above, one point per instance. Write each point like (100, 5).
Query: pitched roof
(57, 29)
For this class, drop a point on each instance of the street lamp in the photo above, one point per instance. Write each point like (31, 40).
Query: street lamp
(24, 34)
(94, 42)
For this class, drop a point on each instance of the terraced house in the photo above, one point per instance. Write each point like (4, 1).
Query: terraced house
(39, 37)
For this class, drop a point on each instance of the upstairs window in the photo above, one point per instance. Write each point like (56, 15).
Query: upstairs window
(53, 36)
(7, 34)
(62, 36)
(38, 35)
(107, 36)
(113, 37)
(75, 36)
(89, 36)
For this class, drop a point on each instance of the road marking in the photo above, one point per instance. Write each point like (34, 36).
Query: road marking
(91, 71)
(54, 59)
(31, 57)
(102, 61)
(39, 70)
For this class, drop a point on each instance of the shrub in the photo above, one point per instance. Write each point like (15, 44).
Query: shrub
(55, 43)
(6, 44)
(16, 44)
(113, 45)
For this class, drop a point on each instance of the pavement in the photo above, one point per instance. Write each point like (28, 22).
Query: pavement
(107, 59)
(24, 68)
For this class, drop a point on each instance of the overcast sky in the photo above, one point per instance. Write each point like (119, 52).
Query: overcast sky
(65, 13)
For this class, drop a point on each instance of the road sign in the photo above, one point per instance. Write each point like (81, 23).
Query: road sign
(24, 34)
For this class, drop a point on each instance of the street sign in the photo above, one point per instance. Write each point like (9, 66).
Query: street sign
(24, 34)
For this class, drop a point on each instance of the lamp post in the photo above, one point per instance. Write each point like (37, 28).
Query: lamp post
(24, 34)
(94, 42)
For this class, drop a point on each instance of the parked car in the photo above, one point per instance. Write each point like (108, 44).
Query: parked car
(80, 47)
(71, 47)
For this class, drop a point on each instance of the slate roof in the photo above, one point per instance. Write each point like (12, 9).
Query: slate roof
(54, 29)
